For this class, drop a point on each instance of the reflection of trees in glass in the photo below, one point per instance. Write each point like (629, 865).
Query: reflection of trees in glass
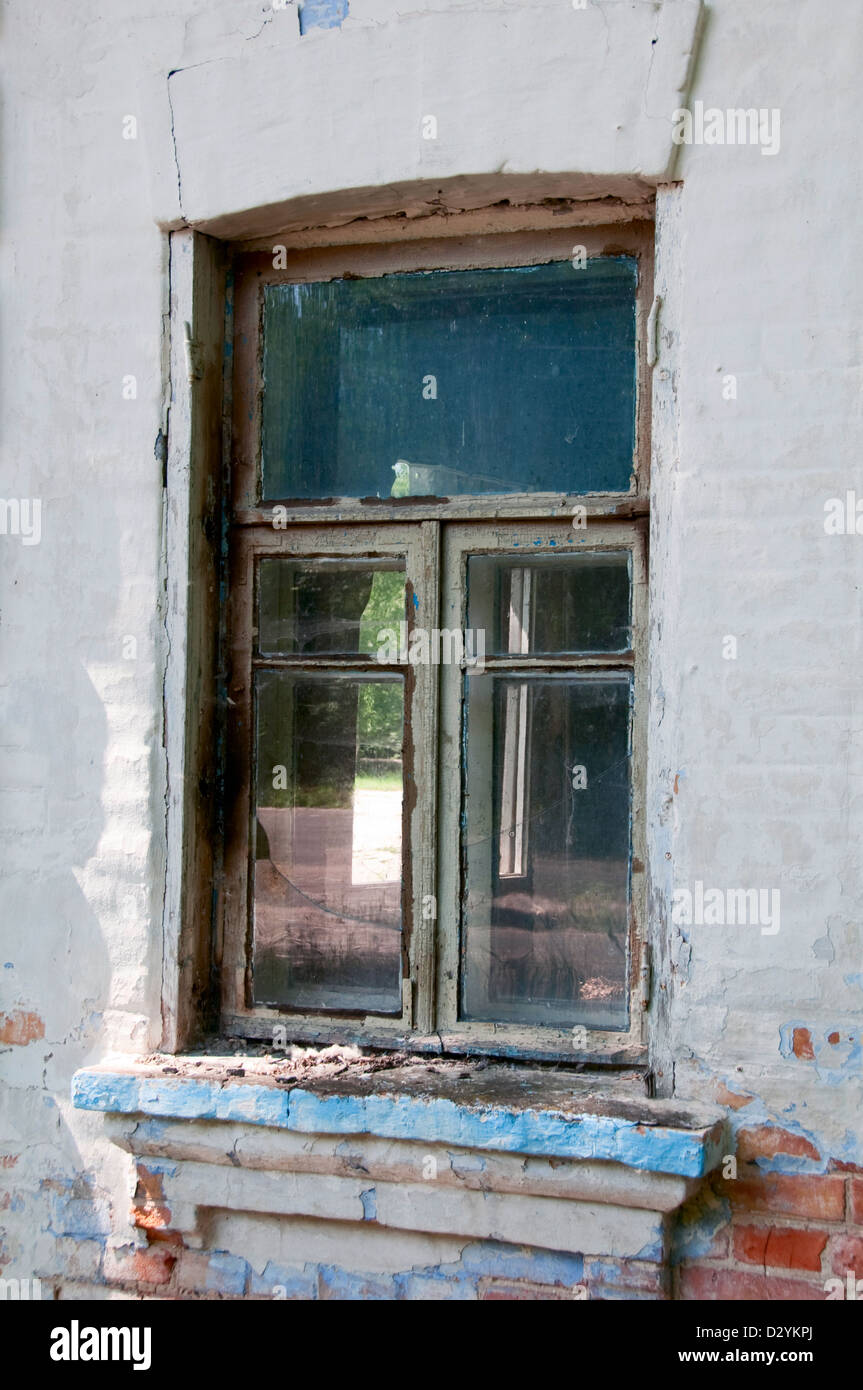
(385, 608)
(379, 722)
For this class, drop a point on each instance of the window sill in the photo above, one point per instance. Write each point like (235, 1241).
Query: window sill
(561, 1161)
(489, 1107)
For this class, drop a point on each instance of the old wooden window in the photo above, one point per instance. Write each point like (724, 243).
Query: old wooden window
(435, 629)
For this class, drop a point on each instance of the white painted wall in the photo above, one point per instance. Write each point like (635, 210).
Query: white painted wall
(766, 749)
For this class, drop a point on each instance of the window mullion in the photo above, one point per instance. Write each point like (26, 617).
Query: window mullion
(424, 600)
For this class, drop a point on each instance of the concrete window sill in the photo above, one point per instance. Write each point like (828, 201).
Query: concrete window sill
(561, 1161)
(497, 1107)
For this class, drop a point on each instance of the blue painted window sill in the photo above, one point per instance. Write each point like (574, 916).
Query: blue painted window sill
(553, 1114)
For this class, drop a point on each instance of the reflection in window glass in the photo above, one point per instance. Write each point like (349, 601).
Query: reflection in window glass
(546, 849)
(327, 607)
(572, 603)
(327, 871)
(450, 382)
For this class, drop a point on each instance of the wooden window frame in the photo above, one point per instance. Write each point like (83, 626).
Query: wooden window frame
(551, 540)
(423, 532)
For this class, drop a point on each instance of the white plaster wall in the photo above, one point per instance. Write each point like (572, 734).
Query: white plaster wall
(766, 749)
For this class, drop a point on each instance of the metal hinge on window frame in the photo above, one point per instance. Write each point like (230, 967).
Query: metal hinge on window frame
(192, 349)
(646, 975)
(652, 337)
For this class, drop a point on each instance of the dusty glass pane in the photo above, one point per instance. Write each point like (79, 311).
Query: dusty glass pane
(449, 382)
(546, 847)
(324, 607)
(327, 870)
(530, 605)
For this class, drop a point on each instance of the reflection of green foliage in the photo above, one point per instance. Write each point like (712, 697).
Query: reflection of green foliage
(325, 794)
(385, 608)
(385, 782)
(379, 723)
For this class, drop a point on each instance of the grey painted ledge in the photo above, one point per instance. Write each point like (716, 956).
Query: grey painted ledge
(507, 1109)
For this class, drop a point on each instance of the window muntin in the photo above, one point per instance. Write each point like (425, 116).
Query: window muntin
(451, 382)
(435, 543)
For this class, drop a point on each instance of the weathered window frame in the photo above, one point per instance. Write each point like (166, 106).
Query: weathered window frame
(614, 517)
(416, 545)
(550, 540)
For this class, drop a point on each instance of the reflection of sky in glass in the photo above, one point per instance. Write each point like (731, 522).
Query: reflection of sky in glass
(534, 382)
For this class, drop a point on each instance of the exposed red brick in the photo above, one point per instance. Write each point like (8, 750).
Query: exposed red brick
(726, 1097)
(521, 1290)
(706, 1285)
(156, 1221)
(149, 1186)
(20, 1028)
(766, 1141)
(801, 1043)
(192, 1270)
(8, 1160)
(625, 1274)
(855, 1201)
(816, 1196)
(780, 1246)
(846, 1252)
(833, 1038)
(838, 1165)
(129, 1265)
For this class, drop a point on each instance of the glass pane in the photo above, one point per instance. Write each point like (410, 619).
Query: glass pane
(327, 871)
(448, 382)
(327, 606)
(547, 845)
(538, 604)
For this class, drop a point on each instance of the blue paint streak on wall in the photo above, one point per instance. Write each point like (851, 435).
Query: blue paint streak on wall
(322, 14)
(227, 1273)
(78, 1210)
(357, 1286)
(700, 1222)
(291, 1281)
(370, 1204)
(654, 1148)
(490, 1260)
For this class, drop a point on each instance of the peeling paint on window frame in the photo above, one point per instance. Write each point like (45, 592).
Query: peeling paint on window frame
(375, 525)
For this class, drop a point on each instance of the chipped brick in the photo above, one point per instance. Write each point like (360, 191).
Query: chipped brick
(780, 1247)
(708, 1285)
(128, 1264)
(521, 1290)
(766, 1141)
(625, 1274)
(20, 1028)
(816, 1197)
(731, 1098)
(846, 1252)
(801, 1044)
(855, 1201)
(212, 1271)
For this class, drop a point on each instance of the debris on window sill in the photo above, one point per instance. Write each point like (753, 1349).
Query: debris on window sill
(472, 1103)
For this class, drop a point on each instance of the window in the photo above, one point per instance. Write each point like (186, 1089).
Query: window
(435, 638)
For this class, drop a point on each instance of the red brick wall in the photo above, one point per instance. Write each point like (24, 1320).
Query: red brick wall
(785, 1234)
